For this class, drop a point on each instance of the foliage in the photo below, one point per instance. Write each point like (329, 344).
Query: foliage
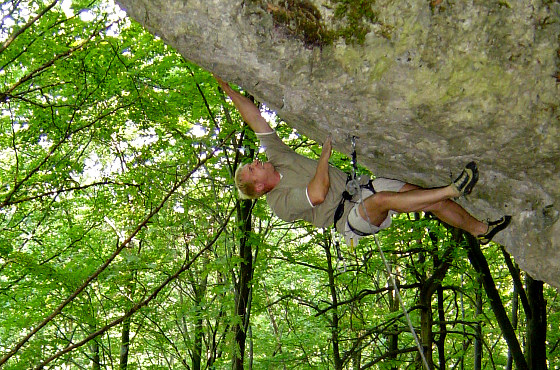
(118, 232)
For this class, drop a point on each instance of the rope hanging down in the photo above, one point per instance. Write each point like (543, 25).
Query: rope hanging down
(354, 186)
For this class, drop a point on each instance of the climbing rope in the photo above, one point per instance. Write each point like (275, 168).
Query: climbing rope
(354, 186)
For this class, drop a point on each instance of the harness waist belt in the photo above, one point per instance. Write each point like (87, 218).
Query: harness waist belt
(346, 196)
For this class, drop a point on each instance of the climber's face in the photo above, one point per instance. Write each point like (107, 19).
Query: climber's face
(258, 172)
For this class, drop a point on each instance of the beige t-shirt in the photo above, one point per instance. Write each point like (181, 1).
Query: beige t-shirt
(289, 200)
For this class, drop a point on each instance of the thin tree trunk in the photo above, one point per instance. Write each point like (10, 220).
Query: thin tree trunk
(275, 329)
(443, 264)
(442, 329)
(426, 322)
(429, 286)
(393, 338)
(125, 344)
(199, 291)
(478, 345)
(514, 321)
(465, 338)
(334, 298)
(242, 284)
(250, 333)
(242, 288)
(95, 357)
(125, 333)
(425, 300)
(481, 266)
(536, 325)
(357, 356)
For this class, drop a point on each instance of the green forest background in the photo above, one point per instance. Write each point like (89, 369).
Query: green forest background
(123, 245)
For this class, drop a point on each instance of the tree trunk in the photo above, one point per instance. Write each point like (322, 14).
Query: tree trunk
(466, 340)
(197, 350)
(393, 338)
(426, 322)
(478, 340)
(426, 315)
(125, 344)
(198, 325)
(338, 365)
(95, 358)
(125, 333)
(357, 356)
(429, 286)
(442, 329)
(536, 325)
(481, 266)
(275, 329)
(245, 275)
(514, 321)
(242, 288)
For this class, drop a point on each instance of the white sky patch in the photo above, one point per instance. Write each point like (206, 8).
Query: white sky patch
(293, 136)
(8, 21)
(66, 6)
(198, 131)
(114, 30)
(120, 145)
(6, 157)
(87, 15)
(44, 142)
(20, 126)
(268, 115)
(96, 168)
(145, 137)
(114, 12)
(93, 167)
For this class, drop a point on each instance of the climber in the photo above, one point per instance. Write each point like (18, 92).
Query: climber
(297, 187)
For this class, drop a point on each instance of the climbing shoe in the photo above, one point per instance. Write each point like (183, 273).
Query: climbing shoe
(494, 227)
(467, 179)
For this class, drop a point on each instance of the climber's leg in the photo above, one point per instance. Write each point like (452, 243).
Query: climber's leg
(412, 198)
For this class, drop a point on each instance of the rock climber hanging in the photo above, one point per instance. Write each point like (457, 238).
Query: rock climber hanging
(300, 188)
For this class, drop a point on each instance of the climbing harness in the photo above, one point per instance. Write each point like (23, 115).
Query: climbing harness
(352, 188)
(353, 185)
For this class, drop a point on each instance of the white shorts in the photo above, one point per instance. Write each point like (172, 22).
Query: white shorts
(360, 224)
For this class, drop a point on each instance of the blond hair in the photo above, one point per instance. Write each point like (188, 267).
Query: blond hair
(246, 189)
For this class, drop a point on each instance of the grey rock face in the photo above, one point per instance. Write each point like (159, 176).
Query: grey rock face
(427, 91)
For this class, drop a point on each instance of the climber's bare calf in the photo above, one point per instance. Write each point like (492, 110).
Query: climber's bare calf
(412, 198)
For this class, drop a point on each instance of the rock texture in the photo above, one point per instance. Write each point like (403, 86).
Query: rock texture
(432, 86)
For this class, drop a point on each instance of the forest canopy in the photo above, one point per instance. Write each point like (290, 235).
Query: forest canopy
(123, 243)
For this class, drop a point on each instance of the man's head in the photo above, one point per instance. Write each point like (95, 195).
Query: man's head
(254, 179)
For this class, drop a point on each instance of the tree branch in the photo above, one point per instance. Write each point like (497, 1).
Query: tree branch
(93, 276)
(4, 95)
(364, 293)
(141, 304)
(11, 39)
(65, 190)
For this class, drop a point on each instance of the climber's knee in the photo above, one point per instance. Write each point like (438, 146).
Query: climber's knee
(377, 208)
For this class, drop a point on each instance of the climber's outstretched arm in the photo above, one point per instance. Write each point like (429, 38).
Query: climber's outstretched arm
(249, 111)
